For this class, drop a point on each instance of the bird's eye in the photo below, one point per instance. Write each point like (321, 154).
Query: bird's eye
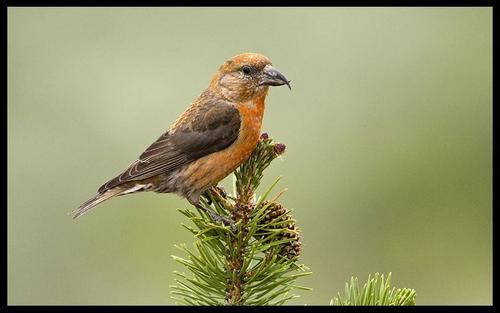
(246, 69)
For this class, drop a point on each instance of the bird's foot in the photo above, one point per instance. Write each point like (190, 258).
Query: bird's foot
(217, 190)
(222, 192)
(218, 218)
(225, 220)
(206, 194)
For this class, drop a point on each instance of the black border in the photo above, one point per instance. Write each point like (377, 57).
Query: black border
(4, 307)
(205, 3)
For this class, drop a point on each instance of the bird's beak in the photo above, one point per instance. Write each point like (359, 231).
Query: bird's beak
(273, 77)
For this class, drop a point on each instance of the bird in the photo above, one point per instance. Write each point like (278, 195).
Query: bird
(208, 141)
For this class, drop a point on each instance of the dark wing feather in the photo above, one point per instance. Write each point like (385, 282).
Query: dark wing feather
(210, 127)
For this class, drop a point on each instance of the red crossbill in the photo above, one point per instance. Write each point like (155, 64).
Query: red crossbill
(208, 141)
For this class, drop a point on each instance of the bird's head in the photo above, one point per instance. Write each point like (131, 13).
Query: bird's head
(246, 76)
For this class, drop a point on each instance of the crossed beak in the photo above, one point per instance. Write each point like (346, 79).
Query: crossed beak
(273, 77)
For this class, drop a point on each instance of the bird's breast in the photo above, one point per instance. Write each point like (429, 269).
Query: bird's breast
(212, 168)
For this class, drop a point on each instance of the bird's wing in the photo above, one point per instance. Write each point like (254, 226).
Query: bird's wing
(209, 128)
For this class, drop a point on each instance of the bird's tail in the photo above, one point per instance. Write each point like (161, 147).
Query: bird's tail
(89, 204)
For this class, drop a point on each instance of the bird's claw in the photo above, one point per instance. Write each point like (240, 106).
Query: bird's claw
(222, 192)
(225, 220)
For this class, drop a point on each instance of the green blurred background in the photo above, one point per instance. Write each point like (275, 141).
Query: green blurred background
(388, 130)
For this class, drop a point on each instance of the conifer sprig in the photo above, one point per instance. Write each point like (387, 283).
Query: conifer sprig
(257, 264)
(376, 291)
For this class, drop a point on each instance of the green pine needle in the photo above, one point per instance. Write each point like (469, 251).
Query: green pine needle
(375, 291)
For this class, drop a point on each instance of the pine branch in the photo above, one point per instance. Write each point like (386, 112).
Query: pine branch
(257, 265)
(375, 291)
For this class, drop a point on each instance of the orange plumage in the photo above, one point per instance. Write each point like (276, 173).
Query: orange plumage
(208, 141)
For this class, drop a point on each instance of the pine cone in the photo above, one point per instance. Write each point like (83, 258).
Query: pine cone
(278, 214)
(291, 249)
(275, 212)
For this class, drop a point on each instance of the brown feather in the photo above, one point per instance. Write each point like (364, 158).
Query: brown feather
(89, 204)
(211, 125)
